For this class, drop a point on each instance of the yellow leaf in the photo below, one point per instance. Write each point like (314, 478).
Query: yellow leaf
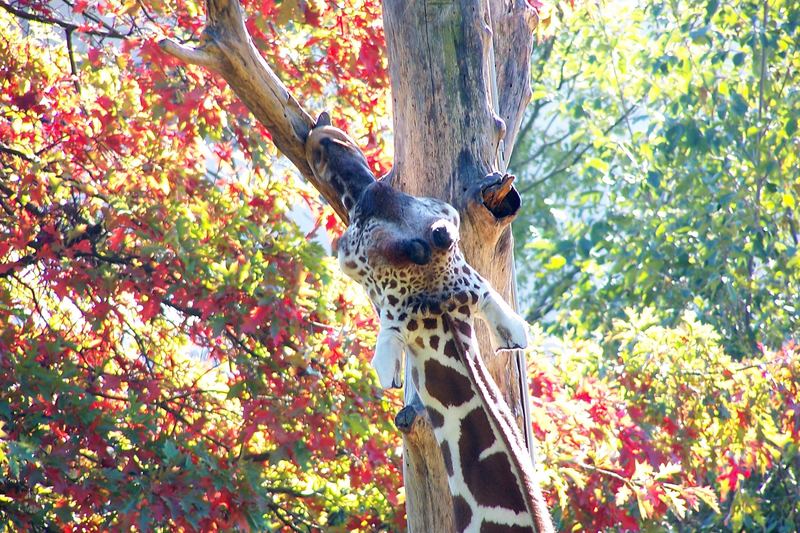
(623, 495)
(708, 496)
(666, 471)
(787, 200)
(645, 507)
(576, 477)
(130, 8)
(556, 261)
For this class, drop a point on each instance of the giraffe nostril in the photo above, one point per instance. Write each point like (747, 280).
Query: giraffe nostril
(441, 237)
(443, 234)
(417, 251)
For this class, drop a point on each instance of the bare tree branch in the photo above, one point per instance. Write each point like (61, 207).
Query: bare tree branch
(228, 50)
(512, 25)
(69, 26)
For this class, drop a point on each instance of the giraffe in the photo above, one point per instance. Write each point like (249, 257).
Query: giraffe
(404, 251)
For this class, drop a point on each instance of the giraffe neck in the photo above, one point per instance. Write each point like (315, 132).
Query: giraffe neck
(490, 475)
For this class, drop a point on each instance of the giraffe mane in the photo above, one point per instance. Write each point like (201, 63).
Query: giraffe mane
(500, 416)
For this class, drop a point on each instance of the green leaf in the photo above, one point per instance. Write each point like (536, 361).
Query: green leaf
(170, 451)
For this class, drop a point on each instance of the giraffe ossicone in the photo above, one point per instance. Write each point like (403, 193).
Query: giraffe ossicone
(404, 251)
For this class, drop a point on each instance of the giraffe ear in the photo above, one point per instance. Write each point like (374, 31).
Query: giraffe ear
(508, 330)
(388, 359)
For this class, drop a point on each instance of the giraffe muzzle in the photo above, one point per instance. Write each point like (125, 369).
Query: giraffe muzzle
(417, 251)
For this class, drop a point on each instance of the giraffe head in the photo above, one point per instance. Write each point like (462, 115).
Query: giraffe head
(404, 251)
(398, 245)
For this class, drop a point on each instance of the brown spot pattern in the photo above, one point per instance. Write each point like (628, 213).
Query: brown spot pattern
(492, 527)
(448, 459)
(447, 385)
(430, 323)
(436, 417)
(450, 349)
(461, 512)
(490, 480)
(464, 328)
(412, 325)
(434, 342)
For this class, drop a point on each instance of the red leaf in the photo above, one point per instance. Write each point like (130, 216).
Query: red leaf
(255, 318)
(84, 246)
(151, 306)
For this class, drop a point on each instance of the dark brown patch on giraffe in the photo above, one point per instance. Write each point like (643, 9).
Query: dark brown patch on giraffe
(430, 323)
(445, 326)
(464, 310)
(437, 419)
(412, 325)
(352, 265)
(476, 436)
(462, 513)
(491, 479)
(446, 385)
(474, 297)
(464, 328)
(392, 299)
(362, 273)
(434, 342)
(402, 317)
(465, 269)
(419, 341)
(492, 527)
(389, 315)
(450, 349)
(415, 377)
(462, 297)
(448, 459)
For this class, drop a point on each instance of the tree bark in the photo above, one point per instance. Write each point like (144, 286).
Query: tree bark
(459, 73)
(456, 115)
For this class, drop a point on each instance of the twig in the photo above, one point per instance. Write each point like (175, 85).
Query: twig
(577, 156)
(71, 55)
(58, 22)
(4, 148)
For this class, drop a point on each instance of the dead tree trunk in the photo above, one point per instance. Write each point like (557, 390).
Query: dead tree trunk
(459, 75)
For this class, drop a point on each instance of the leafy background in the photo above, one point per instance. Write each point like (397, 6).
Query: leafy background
(179, 351)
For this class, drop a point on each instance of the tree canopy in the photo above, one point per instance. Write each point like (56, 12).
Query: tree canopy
(660, 163)
(179, 351)
(176, 350)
